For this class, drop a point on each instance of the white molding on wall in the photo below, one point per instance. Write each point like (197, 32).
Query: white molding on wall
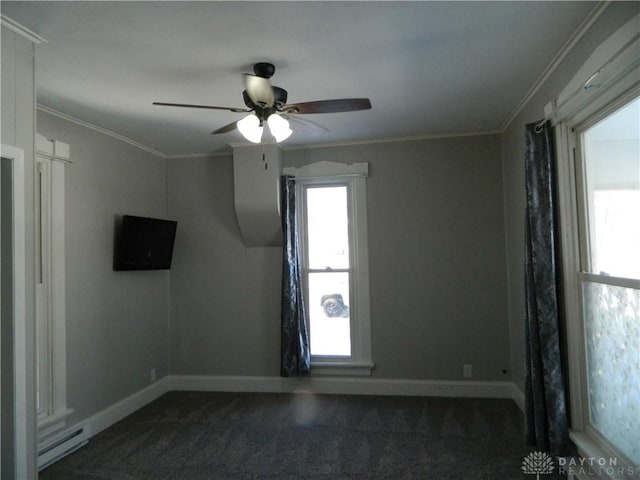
(597, 11)
(125, 407)
(21, 374)
(612, 58)
(517, 396)
(22, 31)
(376, 141)
(318, 384)
(104, 131)
(328, 169)
(53, 149)
(171, 156)
(346, 386)
(50, 289)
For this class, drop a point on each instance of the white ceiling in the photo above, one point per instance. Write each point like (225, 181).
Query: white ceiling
(429, 68)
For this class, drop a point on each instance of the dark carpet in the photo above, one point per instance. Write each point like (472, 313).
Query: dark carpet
(236, 436)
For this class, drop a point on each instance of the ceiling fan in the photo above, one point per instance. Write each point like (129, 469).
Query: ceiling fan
(268, 103)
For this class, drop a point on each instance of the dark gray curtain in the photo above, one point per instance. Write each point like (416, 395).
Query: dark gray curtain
(295, 353)
(546, 424)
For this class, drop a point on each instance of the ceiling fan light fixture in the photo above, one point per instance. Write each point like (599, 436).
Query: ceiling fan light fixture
(250, 128)
(265, 101)
(279, 127)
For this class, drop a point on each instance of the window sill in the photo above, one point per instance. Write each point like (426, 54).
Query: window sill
(52, 423)
(345, 368)
(601, 462)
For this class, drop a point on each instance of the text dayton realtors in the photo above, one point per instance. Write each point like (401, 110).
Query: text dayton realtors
(594, 466)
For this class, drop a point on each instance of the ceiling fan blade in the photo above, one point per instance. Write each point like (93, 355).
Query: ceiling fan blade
(210, 107)
(329, 106)
(259, 90)
(227, 128)
(305, 126)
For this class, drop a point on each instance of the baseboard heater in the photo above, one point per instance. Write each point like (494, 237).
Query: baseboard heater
(62, 444)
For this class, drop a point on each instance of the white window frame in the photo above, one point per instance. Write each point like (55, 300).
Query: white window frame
(353, 176)
(608, 80)
(51, 159)
(590, 442)
(21, 374)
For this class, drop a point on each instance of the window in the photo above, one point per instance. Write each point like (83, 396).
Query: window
(327, 269)
(331, 199)
(597, 117)
(611, 162)
(52, 410)
(610, 274)
(43, 285)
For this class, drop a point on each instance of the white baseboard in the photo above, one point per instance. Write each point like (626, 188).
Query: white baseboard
(518, 396)
(126, 406)
(347, 385)
(321, 385)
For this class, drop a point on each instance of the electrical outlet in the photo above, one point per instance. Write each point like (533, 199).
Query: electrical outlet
(467, 371)
(152, 375)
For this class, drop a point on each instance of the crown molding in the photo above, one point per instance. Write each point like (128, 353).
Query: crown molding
(172, 156)
(375, 141)
(595, 13)
(122, 138)
(23, 31)
(104, 131)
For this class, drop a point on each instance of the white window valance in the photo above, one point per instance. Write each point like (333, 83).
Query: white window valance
(326, 168)
(615, 62)
(53, 149)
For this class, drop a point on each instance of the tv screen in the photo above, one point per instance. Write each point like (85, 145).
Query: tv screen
(144, 243)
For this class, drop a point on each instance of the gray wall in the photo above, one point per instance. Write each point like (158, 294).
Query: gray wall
(437, 262)
(117, 322)
(513, 147)
(443, 217)
(18, 109)
(225, 305)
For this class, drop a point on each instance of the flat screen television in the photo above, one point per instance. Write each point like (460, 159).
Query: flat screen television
(143, 243)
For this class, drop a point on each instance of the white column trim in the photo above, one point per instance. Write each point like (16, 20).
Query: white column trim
(22, 416)
(55, 285)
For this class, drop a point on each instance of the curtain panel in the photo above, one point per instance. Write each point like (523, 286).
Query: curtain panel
(546, 423)
(295, 353)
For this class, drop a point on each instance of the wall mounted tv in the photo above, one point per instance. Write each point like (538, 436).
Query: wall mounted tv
(143, 243)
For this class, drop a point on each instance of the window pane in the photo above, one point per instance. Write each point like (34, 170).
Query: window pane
(612, 163)
(328, 227)
(329, 319)
(612, 320)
